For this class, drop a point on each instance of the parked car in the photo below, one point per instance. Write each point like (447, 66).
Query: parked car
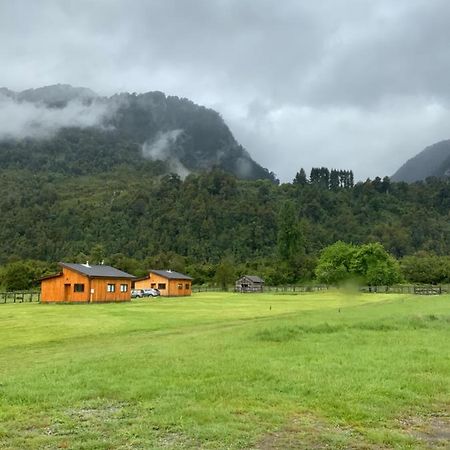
(137, 293)
(151, 292)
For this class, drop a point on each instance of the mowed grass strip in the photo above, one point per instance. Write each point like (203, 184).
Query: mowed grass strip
(226, 371)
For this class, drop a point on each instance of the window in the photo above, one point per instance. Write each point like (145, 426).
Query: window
(180, 285)
(78, 287)
(161, 285)
(153, 285)
(124, 288)
(187, 286)
(111, 288)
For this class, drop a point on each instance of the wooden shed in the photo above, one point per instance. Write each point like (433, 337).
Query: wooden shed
(249, 283)
(168, 282)
(82, 283)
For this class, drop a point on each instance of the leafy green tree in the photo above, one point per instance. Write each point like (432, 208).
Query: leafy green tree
(97, 255)
(23, 275)
(369, 264)
(17, 276)
(375, 265)
(132, 266)
(290, 241)
(426, 268)
(335, 263)
(169, 260)
(225, 273)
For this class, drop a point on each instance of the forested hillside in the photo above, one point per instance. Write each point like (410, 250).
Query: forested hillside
(157, 181)
(212, 223)
(76, 132)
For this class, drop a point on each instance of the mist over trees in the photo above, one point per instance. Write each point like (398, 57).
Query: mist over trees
(73, 130)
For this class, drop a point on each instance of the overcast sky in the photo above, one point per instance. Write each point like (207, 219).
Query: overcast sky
(357, 84)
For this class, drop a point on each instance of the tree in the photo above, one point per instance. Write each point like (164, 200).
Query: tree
(22, 275)
(97, 255)
(334, 180)
(335, 263)
(426, 268)
(300, 178)
(375, 265)
(225, 273)
(290, 241)
(369, 264)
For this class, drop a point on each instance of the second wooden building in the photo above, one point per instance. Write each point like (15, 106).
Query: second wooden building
(168, 282)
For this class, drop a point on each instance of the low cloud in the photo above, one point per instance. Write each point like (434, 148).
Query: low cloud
(371, 143)
(300, 83)
(20, 119)
(164, 148)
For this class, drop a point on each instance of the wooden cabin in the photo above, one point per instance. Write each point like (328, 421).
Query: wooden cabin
(249, 283)
(168, 282)
(82, 283)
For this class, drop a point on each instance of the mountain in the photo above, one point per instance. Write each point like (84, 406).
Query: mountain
(73, 130)
(433, 161)
(57, 95)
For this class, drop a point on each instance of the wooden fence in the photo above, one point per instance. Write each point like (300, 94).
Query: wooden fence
(207, 289)
(35, 297)
(398, 289)
(20, 297)
(287, 288)
(293, 288)
(408, 289)
(428, 290)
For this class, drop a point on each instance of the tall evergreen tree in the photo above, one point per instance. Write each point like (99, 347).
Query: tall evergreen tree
(334, 180)
(300, 178)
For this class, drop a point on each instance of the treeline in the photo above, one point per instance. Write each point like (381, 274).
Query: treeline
(323, 177)
(216, 227)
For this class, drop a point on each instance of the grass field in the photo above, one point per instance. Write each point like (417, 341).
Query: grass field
(257, 371)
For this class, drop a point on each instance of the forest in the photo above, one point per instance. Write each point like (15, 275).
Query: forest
(214, 226)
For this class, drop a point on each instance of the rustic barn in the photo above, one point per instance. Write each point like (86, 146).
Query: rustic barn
(82, 283)
(249, 283)
(168, 282)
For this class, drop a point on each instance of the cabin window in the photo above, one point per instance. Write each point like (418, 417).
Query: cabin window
(124, 288)
(187, 286)
(153, 285)
(78, 287)
(180, 285)
(111, 288)
(161, 285)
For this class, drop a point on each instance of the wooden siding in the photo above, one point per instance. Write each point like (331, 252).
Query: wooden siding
(246, 284)
(62, 288)
(173, 287)
(101, 294)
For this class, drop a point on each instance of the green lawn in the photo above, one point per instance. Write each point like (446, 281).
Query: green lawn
(220, 370)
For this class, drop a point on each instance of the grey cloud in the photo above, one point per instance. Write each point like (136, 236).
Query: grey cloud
(24, 119)
(353, 64)
(163, 147)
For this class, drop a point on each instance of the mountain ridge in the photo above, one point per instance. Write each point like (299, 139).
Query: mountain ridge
(433, 161)
(186, 137)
